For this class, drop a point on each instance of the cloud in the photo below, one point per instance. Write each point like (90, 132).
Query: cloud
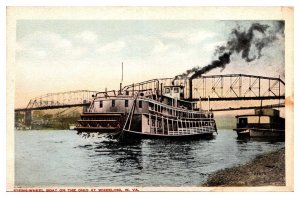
(64, 43)
(160, 47)
(37, 53)
(87, 37)
(112, 47)
(174, 35)
(41, 44)
(77, 51)
(212, 46)
(45, 40)
(189, 36)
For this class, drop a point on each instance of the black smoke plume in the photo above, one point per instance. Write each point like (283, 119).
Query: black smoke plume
(223, 60)
(241, 43)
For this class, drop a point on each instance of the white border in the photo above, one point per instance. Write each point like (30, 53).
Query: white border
(144, 3)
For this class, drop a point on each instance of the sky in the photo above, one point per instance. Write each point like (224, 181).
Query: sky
(65, 55)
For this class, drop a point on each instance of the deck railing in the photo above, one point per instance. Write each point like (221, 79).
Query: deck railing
(169, 126)
(168, 110)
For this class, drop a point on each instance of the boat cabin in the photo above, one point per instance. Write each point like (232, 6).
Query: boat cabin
(263, 118)
(175, 92)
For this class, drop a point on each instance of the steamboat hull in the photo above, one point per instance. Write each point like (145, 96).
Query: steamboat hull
(96, 130)
(133, 134)
(260, 133)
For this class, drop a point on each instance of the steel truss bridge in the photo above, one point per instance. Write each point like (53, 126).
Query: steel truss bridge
(214, 88)
(60, 100)
(217, 88)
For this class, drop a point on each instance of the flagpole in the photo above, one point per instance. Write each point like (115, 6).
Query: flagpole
(121, 80)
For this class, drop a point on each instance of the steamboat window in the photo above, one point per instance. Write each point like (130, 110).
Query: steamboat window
(113, 103)
(167, 90)
(101, 104)
(140, 104)
(126, 103)
(176, 90)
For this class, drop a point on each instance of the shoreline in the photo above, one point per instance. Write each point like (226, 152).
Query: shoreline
(265, 170)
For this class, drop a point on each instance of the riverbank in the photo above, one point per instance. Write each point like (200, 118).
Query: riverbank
(264, 170)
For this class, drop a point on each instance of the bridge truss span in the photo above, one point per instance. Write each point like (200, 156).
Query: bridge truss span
(237, 87)
(61, 100)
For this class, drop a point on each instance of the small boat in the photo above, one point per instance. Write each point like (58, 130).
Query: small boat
(159, 112)
(263, 123)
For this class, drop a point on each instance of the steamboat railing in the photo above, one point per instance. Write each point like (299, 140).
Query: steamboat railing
(169, 126)
(160, 123)
(166, 110)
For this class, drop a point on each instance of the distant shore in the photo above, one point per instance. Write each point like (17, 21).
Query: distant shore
(265, 170)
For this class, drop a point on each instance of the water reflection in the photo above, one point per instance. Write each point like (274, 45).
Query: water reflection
(174, 150)
(129, 154)
(102, 161)
(124, 154)
(150, 154)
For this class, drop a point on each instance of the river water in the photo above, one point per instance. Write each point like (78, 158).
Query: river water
(61, 158)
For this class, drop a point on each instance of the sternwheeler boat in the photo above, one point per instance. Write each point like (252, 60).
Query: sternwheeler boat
(150, 109)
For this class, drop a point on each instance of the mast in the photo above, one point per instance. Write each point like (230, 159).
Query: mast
(121, 80)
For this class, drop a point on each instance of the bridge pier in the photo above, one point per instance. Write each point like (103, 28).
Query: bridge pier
(28, 118)
(19, 119)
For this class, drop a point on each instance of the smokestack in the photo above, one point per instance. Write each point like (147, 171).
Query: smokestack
(191, 88)
(222, 62)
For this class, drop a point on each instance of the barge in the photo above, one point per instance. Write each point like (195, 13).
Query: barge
(263, 123)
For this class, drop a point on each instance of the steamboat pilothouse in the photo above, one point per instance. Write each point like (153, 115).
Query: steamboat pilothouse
(151, 109)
